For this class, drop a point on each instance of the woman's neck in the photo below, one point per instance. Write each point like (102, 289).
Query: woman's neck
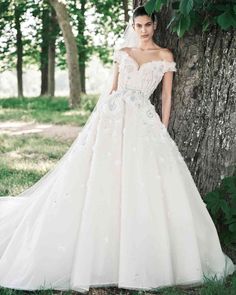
(147, 45)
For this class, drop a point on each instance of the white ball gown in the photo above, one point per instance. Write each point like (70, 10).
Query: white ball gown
(120, 208)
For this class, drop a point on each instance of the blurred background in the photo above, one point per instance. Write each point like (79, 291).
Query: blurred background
(33, 51)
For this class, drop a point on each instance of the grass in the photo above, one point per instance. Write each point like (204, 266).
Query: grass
(46, 109)
(211, 287)
(25, 159)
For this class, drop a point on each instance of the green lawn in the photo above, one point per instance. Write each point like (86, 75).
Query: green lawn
(47, 110)
(25, 159)
(210, 288)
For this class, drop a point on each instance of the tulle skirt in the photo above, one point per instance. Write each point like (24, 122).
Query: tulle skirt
(120, 208)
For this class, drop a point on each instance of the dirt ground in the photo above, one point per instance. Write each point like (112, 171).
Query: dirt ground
(49, 130)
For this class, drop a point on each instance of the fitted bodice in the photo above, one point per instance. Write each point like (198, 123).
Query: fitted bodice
(136, 83)
(145, 77)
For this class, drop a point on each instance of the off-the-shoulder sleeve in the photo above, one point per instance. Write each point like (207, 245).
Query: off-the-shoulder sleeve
(170, 66)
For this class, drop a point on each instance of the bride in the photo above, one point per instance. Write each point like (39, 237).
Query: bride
(120, 208)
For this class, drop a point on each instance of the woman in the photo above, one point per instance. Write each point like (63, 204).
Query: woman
(120, 208)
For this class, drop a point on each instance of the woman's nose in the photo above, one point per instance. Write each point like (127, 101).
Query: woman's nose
(143, 30)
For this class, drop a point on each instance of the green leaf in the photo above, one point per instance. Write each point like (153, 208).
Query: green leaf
(226, 19)
(213, 200)
(232, 220)
(150, 6)
(232, 227)
(221, 7)
(225, 208)
(159, 4)
(186, 6)
(230, 184)
(183, 25)
(175, 5)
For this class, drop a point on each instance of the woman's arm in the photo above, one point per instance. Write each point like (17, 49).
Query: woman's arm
(166, 91)
(166, 97)
(115, 76)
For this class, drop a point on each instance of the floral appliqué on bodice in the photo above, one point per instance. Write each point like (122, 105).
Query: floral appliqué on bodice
(143, 78)
(135, 85)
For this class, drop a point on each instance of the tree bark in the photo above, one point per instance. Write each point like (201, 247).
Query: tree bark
(44, 51)
(19, 51)
(82, 45)
(203, 114)
(71, 49)
(53, 31)
(126, 10)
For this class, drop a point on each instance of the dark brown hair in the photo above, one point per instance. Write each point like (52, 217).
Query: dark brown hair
(140, 10)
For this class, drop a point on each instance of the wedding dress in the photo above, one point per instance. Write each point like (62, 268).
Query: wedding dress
(120, 208)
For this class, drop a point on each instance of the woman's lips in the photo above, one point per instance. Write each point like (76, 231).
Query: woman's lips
(144, 35)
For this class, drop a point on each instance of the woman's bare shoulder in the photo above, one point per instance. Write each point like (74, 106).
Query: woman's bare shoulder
(126, 49)
(166, 54)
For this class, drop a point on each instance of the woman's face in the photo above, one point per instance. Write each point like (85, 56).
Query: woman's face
(144, 27)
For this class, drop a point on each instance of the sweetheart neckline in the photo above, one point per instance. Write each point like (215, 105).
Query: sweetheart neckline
(145, 63)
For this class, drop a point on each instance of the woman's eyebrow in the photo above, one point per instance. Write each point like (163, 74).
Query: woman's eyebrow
(145, 23)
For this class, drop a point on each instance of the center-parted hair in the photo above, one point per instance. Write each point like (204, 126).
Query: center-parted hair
(140, 11)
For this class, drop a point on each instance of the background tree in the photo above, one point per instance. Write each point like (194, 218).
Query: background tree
(95, 24)
(18, 12)
(202, 38)
(81, 40)
(16, 48)
(53, 33)
(45, 35)
(71, 48)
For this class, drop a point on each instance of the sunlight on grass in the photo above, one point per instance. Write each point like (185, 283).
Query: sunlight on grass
(76, 112)
(47, 110)
(24, 165)
(25, 159)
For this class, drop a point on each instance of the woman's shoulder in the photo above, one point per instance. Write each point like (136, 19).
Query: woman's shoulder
(166, 54)
(160, 52)
(126, 49)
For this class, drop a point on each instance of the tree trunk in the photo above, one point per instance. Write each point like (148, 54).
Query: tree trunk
(71, 50)
(126, 10)
(203, 120)
(203, 114)
(82, 45)
(53, 31)
(44, 51)
(19, 51)
(51, 68)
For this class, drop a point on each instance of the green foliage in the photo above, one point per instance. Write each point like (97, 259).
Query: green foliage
(106, 19)
(31, 36)
(196, 14)
(109, 23)
(222, 206)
